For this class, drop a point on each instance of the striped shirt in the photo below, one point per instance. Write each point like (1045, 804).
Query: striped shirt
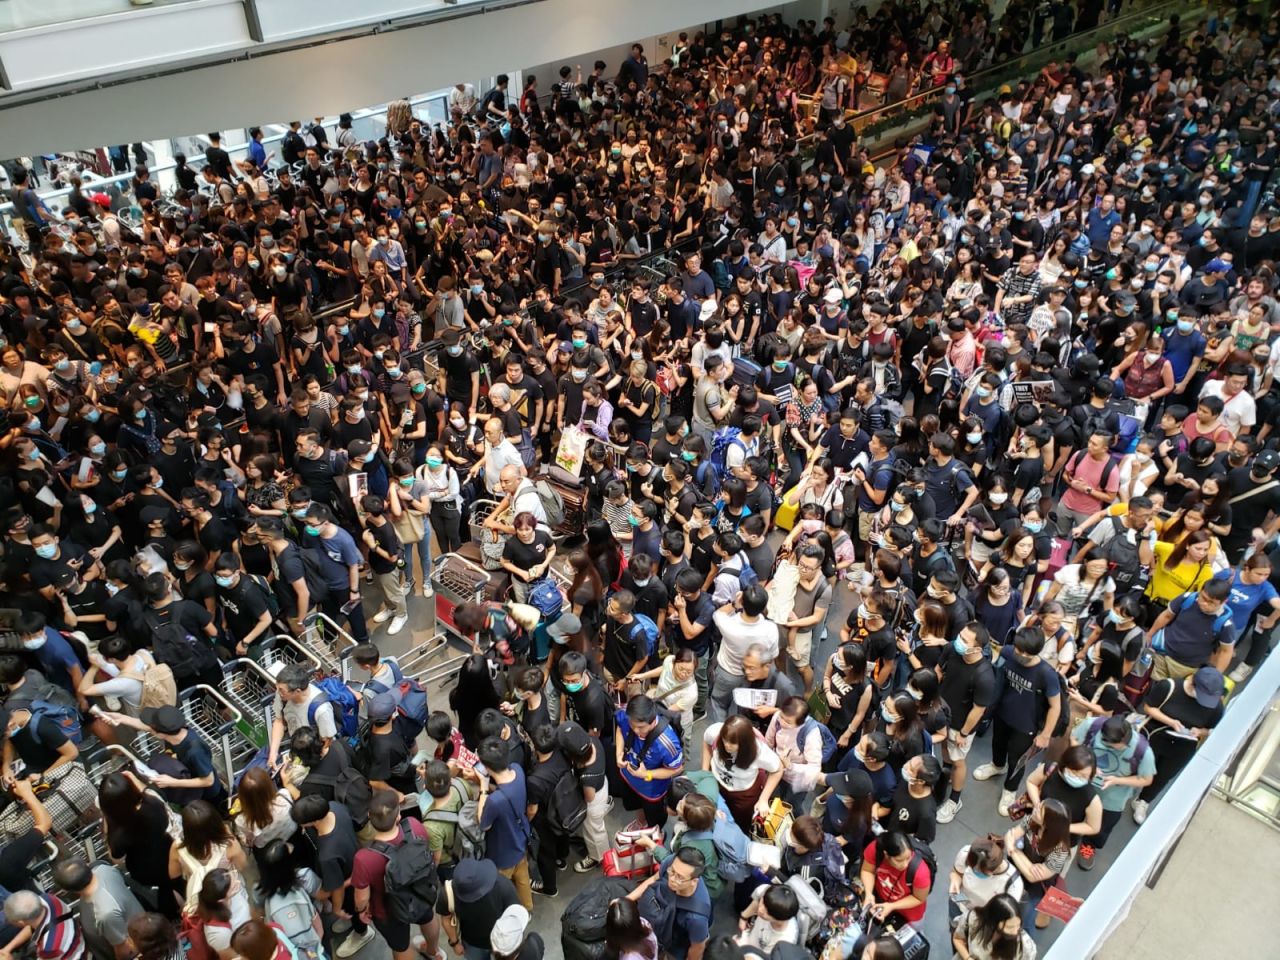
(58, 936)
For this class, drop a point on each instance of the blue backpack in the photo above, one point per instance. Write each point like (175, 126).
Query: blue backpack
(721, 441)
(650, 629)
(411, 702)
(545, 597)
(1126, 440)
(67, 719)
(731, 846)
(346, 708)
(828, 738)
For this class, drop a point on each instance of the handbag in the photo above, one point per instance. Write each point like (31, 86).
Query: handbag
(409, 526)
(775, 826)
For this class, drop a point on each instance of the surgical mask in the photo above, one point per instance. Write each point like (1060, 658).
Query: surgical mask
(280, 272)
(254, 264)
(896, 507)
(311, 531)
(999, 498)
(1073, 779)
(98, 449)
(1034, 526)
(406, 482)
(578, 374)
(434, 462)
(688, 456)
(223, 581)
(47, 551)
(780, 365)
(974, 437)
(477, 289)
(574, 687)
(958, 645)
(1185, 326)
(1152, 358)
(62, 364)
(342, 332)
(140, 414)
(393, 372)
(982, 392)
(119, 474)
(35, 643)
(887, 714)
(578, 343)
(90, 508)
(379, 312)
(368, 457)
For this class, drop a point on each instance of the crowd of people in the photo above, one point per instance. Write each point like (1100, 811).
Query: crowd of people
(1007, 396)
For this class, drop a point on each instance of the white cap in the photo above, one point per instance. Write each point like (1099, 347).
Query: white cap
(1014, 158)
(709, 307)
(508, 932)
(1087, 169)
(833, 296)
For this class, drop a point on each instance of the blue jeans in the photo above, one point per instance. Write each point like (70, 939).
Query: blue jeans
(423, 548)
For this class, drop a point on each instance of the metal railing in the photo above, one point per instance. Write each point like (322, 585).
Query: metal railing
(1143, 858)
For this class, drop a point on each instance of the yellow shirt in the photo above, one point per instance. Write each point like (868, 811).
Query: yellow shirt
(1188, 575)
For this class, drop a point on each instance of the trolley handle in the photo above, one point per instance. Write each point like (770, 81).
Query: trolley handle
(289, 641)
(234, 711)
(251, 666)
(439, 561)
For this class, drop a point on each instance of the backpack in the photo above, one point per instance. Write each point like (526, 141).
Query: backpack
(268, 594)
(1126, 567)
(159, 688)
(1139, 750)
(346, 708)
(731, 847)
(545, 597)
(293, 913)
(954, 387)
(829, 743)
(351, 789)
(582, 929)
(920, 852)
(650, 633)
(67, 718)
(184, 654)
(1126, 440)
(567, 809)
(721, 441)
(1112, 462)
(552, 503)
(410, 882)
(468, 838)
(704, 472)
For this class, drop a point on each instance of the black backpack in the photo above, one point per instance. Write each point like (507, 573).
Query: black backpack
(410, 881)
(269, 595)
(184, 654)
(920, 851)
(351, 789)
(1126, 568)
(582, 928)
(567, 808)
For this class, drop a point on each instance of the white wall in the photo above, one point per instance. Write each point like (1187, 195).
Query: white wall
(326, 79)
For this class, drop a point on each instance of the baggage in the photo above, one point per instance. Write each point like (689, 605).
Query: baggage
(745, 372)
(582, 926)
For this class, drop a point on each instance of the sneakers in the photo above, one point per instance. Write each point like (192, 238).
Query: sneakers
(1140, 809)
(947, 812)
(1086, 856)
(397, 624)
(1006, 798)
(383, 615)
(427, 591)
(354, 943)
(586, 865)
(1240, 673)
(536, 886)
(988, 771)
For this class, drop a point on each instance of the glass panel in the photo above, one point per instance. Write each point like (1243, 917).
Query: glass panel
(22, 14)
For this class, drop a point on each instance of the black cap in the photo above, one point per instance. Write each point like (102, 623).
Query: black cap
(164, 719)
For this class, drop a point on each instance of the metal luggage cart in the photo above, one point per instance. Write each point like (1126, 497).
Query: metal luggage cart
(455, 580)
(221, 725)
(68, 794)
(325, 641)
(283, 650)
(116, 758)
(480, 511)
(251, 690)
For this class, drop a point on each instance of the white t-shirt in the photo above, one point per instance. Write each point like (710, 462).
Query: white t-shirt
(295, 715)
(1073, 593)
(737, 778)
(737, 636)
(1238, 411)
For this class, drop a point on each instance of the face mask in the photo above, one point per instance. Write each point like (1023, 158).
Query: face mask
(688, 456)
(280, 272)
(574, 687)
(254, 264)
(999, 498)
(1073, 780)
(974, 437)
(394, 372)
(1112, 273)
(98, 449)
(1080, 284)
(406, 482)
(578, 375)
(223, 581)
(434, 463)
(896, 507)
(1185, 326)
(47, 551)
(1034, 526)
(455, 350)
(311, 531)
(35, 643)
(887, 714)
(959, 646)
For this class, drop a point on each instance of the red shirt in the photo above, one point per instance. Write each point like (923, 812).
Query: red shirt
(370, 865)
(892, 884)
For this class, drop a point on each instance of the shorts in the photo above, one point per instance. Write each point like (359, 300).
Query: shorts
(865, 519)
(956, 747)
(800, 650)
(397, 934)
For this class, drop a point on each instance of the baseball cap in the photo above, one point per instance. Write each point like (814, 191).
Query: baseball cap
(565, 627)
(833, 296)
(1217, 265)
(381, 707)
(1209, 686)
(508, 932)
(572, 739)
(164, 719)
(854, 783)
(1087, 169)
(1266, 461)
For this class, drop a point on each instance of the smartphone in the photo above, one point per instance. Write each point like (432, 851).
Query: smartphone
(349, 606)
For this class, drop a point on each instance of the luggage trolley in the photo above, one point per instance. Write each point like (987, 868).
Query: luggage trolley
(70, 797)
(221, 726)
(250, 689)
(325, 642)
(283, 650)
(455, 580)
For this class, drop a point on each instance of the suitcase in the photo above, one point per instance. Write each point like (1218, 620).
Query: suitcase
(629, 863)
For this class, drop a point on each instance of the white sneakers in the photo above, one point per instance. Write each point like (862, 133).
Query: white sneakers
(1240, 673)
(382, 616)
(1006, 798)
(947, 812)
(397, 624)
(1140, 808)
(354, 943)
(988, 771)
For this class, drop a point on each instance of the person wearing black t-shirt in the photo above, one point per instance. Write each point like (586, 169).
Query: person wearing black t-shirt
(37, 741)
(550, 766)
(914, 810)
(386, 753)
(589, 700)
(968, 688)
